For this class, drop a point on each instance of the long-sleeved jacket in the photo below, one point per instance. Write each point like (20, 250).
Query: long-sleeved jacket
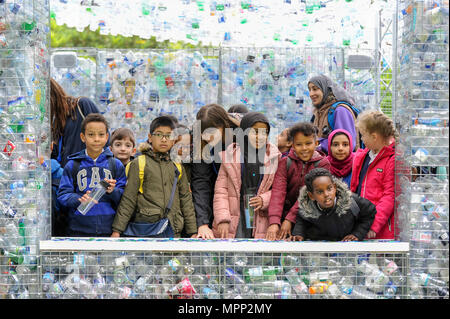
(378, 187)
(228, 190)
(286, 186)
(159, 174)
(99, 218)
(203, 179)
(350, 215)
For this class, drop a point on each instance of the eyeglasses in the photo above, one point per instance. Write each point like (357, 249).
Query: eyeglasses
(160, 136)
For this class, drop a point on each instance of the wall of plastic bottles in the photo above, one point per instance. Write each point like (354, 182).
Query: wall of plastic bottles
(24, 144)
(280, 23)
(422, 117)
(221, 269)
(132, 87)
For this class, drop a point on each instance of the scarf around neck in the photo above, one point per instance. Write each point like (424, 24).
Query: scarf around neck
(340, 168)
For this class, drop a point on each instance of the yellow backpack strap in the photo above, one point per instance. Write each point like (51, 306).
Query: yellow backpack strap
(127, 168)
(141, 159)
(180, 169)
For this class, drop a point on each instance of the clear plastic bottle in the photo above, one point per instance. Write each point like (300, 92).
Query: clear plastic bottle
(97, 193)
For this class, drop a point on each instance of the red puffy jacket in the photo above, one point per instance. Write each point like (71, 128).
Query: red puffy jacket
(378, 187)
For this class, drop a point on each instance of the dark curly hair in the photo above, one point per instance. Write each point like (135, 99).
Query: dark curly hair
(315, 173)
(305, 128)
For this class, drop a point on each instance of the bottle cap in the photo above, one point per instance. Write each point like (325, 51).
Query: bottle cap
(104, 183)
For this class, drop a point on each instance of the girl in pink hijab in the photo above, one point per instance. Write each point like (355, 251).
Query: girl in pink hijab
(340, 154)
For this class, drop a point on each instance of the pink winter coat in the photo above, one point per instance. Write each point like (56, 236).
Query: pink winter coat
(378, 187)
(227, 191)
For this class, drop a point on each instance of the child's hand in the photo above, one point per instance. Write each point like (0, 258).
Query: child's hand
(256, 202)
(86, 198)
(371, 234)
(295, 238)
(194, 236)
(205, 232)
(272, 232)
(112, 184)
(285, 231)
(223, 229)
(115, 234)
(350, 238)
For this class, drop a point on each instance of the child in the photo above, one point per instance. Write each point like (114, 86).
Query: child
(182, 149)
(83, 172)
(340, 155)
(150, 199)
(249, 164)
(284, 142)
(329, 211)
(373, 170)
(123, 145)
(289, 178)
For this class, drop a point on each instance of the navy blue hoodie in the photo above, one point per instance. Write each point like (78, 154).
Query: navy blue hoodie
(100, 217)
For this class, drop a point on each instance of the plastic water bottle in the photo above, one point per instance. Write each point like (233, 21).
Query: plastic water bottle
(295, 281)
(97, 193)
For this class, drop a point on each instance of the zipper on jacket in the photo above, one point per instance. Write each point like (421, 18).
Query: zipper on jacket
(164, 193)
(365, 178)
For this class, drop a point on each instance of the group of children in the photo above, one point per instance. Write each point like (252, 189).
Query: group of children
(297, 191)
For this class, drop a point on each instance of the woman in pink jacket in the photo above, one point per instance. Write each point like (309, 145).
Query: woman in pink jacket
(248, 167)
(373, 170)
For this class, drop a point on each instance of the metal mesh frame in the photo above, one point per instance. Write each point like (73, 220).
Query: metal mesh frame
(24, 144)
(221, 269)
(178, 82)
(422, 162)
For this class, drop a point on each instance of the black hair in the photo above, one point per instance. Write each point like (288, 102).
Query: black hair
(315, 173)
(94, 117)
(163, 120)
(238, 108)
(172, 117)
(305, 128)
(289, 137)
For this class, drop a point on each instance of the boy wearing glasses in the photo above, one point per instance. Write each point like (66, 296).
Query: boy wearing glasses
(148, 203)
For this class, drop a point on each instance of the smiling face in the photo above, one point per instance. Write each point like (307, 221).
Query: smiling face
(95, 137)
(324, 192)
(315, 93)
(340, 147)
(304, 146)
(162, 139)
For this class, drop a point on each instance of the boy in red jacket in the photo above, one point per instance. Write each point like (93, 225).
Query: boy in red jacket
(373, 170)
(290, 177)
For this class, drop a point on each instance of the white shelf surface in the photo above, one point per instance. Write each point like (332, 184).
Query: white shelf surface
(60, 244)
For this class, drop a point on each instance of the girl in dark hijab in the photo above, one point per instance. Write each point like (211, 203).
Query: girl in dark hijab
(246, 174)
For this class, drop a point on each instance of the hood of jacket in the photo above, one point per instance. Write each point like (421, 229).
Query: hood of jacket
(146, 148)
(344, 201)
(81, 155)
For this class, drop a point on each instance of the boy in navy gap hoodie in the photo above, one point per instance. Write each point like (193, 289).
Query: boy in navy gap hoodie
(83, 172)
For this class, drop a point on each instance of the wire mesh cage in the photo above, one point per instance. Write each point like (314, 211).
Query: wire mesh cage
(24, 144)
(221, 269)
(134, 86)
(422, 150)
